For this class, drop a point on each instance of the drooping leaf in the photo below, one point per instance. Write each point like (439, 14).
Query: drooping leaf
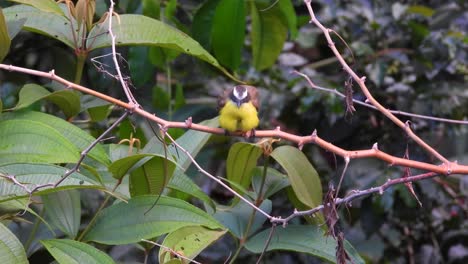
(64, 210)
(130, 222)
(300, 238)
(75, 135)
(43, 5)
(67, 100)
(182, 183)
(34, 142)
(11, 249)
(5, 40)
(45, 23)
(69, 251)
(236, 218)
(274, 181)
(202, 24)
(141, 30)
(302, 175)
(228, 33)
(151, 177)
(242, 158)
(189, 241)
(269, 32)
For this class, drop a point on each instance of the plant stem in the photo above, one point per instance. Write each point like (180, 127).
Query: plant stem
(103, 204)
(258, 201)
(80, 62)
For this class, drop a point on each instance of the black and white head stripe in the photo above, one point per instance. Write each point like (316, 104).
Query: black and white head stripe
(240, 92)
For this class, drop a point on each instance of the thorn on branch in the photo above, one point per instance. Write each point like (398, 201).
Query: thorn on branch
(52, 73)
(363, 79)
(188, 122)
(375, 146)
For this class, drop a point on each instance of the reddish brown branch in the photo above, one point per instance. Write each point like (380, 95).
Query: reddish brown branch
(453, 167)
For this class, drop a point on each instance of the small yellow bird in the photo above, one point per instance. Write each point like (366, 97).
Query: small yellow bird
(238, 108)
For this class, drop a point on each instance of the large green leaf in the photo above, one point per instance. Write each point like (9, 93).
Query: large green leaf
(242, 158)
(269, 32)
(34, 142)
(44, 5)
(130, 222)
(64, 210)
(11, 249)
(202, 24)
(189, 241)
(67, 100)
(302, 175)
(45, 23)
(4, 37)
(31, 175)
(236, 218)
(69, 252)
(228, 34)
(142, 30)
(301, 238)
(75, 135)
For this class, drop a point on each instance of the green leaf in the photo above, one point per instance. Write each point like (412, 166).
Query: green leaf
(69, 251)
(130, 222)
(242, 158)
(202, 24)
(64, 210)
(151, 177)
(141, 30)
(228, 34)
(152, 8)
(179, 97)
(269, 32)
(67, 100)
(274, 181)
(236, 218)
(34, 142)
(189, 241)
(420, 9)
(5, 40)
(11, 249)
(44, 23)
(75, 135)
(301, 238)
(287, 9)
(302, 175)
(99, 113)
(127, 164)
(182, 183)
(31, 175)
(43, 5)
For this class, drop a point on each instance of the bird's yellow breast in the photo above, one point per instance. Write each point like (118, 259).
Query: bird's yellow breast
(243, 118)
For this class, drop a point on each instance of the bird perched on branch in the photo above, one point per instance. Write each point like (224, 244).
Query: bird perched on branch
(238, 108)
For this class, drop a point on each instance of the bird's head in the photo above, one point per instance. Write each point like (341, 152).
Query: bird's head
(239, 95)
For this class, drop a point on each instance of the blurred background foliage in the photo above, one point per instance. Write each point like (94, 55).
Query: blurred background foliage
(413, 53)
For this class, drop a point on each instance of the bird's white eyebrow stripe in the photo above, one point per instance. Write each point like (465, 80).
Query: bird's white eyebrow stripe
(240, 96)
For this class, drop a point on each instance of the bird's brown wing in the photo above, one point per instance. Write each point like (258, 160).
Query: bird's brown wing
(254, 96)
(222, 98)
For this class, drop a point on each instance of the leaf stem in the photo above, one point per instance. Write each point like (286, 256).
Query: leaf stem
(80, 62)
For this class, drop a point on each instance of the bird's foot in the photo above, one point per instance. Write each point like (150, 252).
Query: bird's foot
(250, 135)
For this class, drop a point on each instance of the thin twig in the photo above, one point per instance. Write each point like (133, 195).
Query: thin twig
(395, 112)
(355, 195)
(214, 178)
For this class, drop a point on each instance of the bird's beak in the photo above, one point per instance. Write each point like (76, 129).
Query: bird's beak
(238, 103)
